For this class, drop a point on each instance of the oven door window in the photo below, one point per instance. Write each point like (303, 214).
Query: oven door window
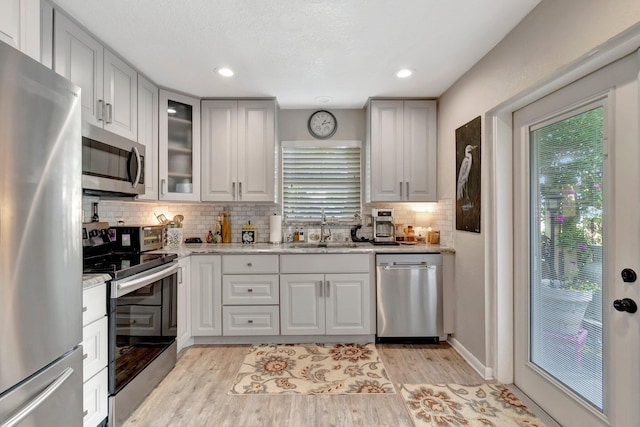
(142, 325)
(105, 161)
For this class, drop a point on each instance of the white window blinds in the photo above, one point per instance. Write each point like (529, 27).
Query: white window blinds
(317, 175)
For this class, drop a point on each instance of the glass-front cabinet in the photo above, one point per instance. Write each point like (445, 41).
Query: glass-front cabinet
(179, 153)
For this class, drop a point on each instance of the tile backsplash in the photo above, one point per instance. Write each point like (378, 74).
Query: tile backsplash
(199, 218)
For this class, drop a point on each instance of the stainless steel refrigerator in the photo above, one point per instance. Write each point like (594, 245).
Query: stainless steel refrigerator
(40, 245)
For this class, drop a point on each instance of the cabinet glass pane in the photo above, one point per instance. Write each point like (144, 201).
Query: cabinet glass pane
(180, 147)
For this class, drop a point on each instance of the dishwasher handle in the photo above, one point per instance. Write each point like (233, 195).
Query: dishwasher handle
(408, 266)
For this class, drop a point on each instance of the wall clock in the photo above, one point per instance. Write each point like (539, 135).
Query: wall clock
(322, 124)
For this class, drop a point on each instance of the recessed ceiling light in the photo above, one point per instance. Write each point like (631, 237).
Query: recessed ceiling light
(224, 71)
(171, 110)
(404, 73)
(323, 99)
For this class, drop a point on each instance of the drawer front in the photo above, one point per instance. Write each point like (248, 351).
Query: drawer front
(325, 263)
(94, 347)
(249, 264)
(94, 303)
(95, 399)
(251, 320)
(259, 289)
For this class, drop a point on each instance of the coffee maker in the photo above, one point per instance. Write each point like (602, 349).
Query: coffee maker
(384, 229)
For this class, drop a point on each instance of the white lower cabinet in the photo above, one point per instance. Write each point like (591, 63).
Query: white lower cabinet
(334, 302)
(325, 304)
(95, 355)
(251, 295)
(184, 303)
(206, 295)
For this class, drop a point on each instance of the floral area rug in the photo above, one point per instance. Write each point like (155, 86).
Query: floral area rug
(460, 405)
(312, 369)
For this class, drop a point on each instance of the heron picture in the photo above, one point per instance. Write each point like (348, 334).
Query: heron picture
(468, 163)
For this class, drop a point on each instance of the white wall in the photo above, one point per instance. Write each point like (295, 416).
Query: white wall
(553, 35)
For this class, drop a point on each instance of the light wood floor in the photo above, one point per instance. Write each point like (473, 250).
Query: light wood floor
(195, 392)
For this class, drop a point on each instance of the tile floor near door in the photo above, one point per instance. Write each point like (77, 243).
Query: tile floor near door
(195, 392)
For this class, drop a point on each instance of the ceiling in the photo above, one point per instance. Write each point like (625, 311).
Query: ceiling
(299, 50)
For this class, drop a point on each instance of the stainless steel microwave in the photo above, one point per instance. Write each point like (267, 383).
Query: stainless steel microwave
(111, 165)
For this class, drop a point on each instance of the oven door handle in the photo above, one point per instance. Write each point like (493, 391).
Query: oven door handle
(128, 285)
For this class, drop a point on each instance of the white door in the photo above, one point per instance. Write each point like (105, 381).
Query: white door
(219, 150)
(120, 97)
(577, 198)
(79, 58)
(302, 304)
(206, 295)
(348, 304)
(387, 150)
(256, 151)
(420, 151)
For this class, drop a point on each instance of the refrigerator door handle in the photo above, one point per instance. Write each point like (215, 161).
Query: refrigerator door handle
(38, 400)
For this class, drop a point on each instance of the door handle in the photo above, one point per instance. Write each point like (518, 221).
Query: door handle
(407, 190)
(136, 153)
(233, 190)
(163, 183)
(100, 110)
(328, 288)
(240, 190)
(109, 113)
(400, 190)
(321, 286)
(625, 304)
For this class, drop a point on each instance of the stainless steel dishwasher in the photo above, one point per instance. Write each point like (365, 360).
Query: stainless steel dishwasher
(409, 297)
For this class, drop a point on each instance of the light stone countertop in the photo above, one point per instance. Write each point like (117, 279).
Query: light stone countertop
(290, 248)
(91, 280)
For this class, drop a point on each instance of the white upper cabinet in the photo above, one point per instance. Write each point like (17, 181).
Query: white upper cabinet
(179, 147)
(20, 25)
(238, 150)
(403, 156)
(109, 86)
(148, 135)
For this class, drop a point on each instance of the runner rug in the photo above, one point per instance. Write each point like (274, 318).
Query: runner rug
(312, 369)
(485, 405)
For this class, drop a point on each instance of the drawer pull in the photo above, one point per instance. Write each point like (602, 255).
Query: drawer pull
(249, 290)
(84, 309)
(85, 413)
(249, 264)
(249, 321)
(85, 355)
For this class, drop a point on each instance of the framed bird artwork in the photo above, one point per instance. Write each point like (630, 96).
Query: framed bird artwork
(468, 162)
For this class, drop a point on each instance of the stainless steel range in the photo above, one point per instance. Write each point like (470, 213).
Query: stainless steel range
(142, 314)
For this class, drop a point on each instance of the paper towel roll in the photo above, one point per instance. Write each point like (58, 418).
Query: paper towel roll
(275, 228)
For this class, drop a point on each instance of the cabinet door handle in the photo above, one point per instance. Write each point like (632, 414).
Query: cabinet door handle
(240, 190)
(321, 286)
(179, 275)
(250, 321)
(328, 288)
(109, 113)
(163, 183)
(249, 264)
(84, 414)
(233, 190)
(250, 290)
(84, 309)
(100, 110)
(407, 190)
(400, 190)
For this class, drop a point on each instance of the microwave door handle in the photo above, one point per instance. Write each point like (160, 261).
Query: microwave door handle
(139, 168)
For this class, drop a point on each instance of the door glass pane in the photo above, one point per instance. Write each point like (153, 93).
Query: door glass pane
(180, 155)
(566, 252)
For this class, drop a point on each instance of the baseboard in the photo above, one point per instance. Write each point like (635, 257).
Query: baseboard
(286, 339)
(486, 373)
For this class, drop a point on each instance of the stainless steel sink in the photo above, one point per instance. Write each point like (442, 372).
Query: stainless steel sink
(323, 245)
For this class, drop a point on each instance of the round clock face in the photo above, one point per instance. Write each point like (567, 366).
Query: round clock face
(322, 124)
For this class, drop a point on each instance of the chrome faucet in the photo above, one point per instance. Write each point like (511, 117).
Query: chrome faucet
(323, 224)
